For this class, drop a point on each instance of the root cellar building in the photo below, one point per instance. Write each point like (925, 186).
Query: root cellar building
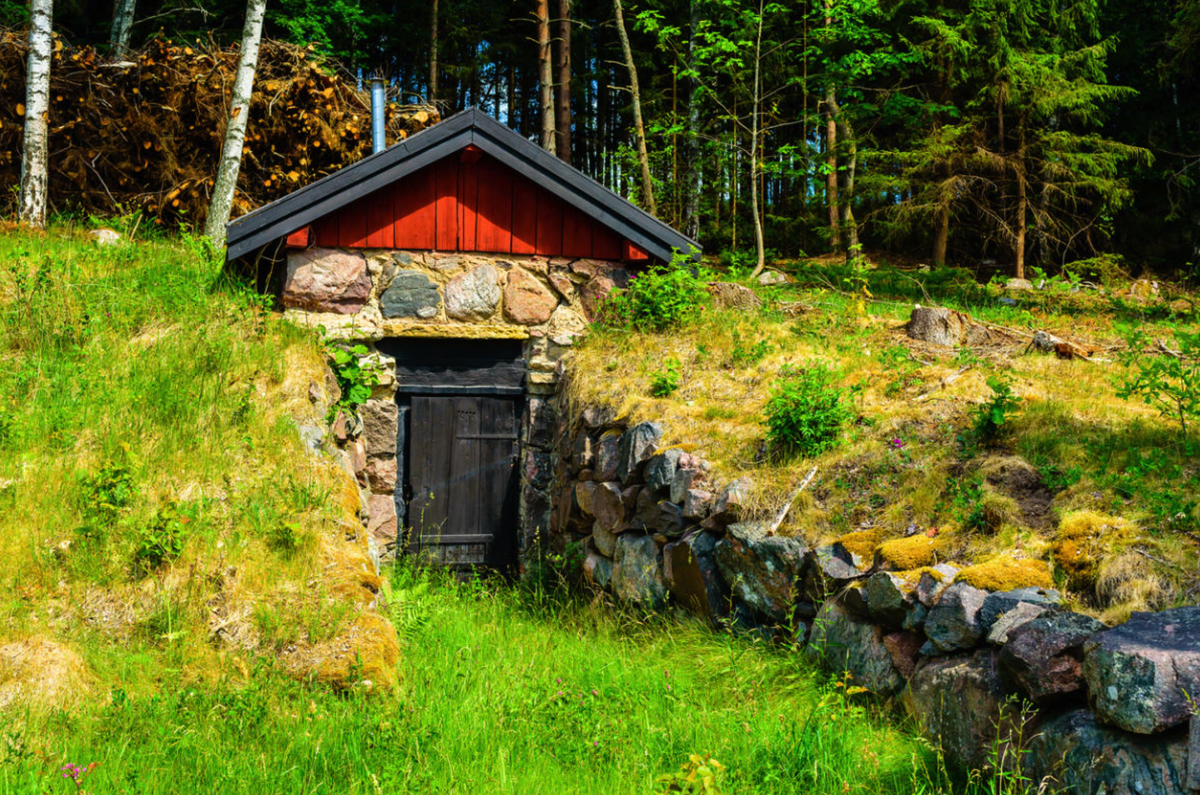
(468, 260)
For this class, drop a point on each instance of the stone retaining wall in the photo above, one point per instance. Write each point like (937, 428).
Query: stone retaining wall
(365, 296)
(1106, 709)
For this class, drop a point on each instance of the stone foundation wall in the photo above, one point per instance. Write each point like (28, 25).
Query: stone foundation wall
(365, 296)
(1106, 709)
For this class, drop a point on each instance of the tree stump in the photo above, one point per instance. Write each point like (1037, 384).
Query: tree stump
(941, 326)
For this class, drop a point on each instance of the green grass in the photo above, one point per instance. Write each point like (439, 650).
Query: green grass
(505, 691)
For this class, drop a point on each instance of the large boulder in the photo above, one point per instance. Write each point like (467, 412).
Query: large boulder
(607, 508)
(830, 568)
(637, 571)
(1044, 657)
(1082, 756)
(890, 597)
(635, 449)
(762, 570)
(526, 300)
(661, 470)
(845, 644)
(473, 296)
(690, 571)
(412, 294)
(959, 704)
(326, 280)
(1137, 673)
(954, 622)
(598, 570)
(604, 540)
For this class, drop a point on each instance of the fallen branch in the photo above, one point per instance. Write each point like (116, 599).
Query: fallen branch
(782, 513)
(950, 379)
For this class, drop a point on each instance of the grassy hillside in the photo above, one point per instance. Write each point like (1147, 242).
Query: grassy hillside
(1099, 491)
(160, 521)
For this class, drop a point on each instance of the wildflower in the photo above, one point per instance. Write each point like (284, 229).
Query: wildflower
(896, 444)
(595, 693)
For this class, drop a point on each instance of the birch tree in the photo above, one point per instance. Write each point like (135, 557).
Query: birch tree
(235, 130)
(34, 165)
(639, 128)
(545, 76)
(122, 27)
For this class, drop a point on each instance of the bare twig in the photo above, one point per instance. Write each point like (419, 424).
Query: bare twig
(942, 384)
(782, 513)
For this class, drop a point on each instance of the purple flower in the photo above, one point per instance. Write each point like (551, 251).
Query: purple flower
(594, 693)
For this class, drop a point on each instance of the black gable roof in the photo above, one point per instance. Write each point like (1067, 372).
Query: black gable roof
(472, 126)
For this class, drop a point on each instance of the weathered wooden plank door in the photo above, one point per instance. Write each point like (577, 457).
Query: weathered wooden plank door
(462, 478)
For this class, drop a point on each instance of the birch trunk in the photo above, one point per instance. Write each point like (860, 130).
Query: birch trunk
(691, 211)
(34, 160)
(235, 130)
(433, 54)
(563, 104)
(847, 193)
(545, 76)
(755, 154)
(638, 127)
(122, 27)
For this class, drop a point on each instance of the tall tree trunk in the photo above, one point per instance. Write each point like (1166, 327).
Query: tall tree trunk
(691, 211)
(433, 52)
(831, 163)
(755, 153)
(122, 27)
(545, 76)
(847, 193)
(563, 107)
(941, 234)
(34, 159)
(638, 128)
(1022, 203)
(235, 130)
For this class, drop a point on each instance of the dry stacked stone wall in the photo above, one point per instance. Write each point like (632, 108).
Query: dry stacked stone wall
(365, 296)
(1106, 710)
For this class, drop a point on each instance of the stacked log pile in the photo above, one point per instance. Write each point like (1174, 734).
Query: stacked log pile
(145, 133)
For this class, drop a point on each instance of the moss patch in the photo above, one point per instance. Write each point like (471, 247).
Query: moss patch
(1084, 540)
(904, 554)
(861, 543)
(1005, 574)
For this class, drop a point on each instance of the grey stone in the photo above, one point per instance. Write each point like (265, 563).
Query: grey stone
(607, 507)
(914, 620)
(598, 570)
(583, 454)
(607, 455)
(843, 643)
(954, 623)
(380, 423)
(696, 503)
(656, 515)
(830, 568)
(1020, 615)
(889, 598)
(661, 469)
(690, 571)
(1044, 656)
(1079, 755)
(584, 491)
(1046, 342)
(999, 603)
(959, 704)
(767, 278)
(539, 422)
(312, 436)
(932, 583)
(1138, 672)
(596, 417)
(762, 571)
(412, 294)
(604, 540)
(537, 468)
(526, 300)
(637, 573)
(685, 479)
(474, 295)
(731, 501)
(1018, 284)
(635, 448)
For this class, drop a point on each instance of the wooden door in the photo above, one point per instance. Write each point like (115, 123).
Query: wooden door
(462, 479)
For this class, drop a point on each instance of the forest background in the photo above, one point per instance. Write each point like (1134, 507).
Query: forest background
(992, 134)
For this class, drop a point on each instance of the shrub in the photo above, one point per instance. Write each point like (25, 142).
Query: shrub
(997, 411)
(664, 382)
(353, 377)
(743, 354)
(161, 539)
(806, 412)
(662, 297)
(1169, 381)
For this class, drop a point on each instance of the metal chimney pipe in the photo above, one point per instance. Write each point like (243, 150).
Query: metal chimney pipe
(378, 100)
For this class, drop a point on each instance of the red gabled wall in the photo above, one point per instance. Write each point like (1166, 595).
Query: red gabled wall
(470, 202)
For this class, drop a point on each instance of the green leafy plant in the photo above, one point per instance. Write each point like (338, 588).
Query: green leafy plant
(1167, 379)
(996, 412)
(354, 378)
(699, 775)
(662, 297)
(806, 412)
(664, 382)
(744, 354)
(161, 539)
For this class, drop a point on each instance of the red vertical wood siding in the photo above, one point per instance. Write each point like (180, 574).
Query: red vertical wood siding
(471, 202)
